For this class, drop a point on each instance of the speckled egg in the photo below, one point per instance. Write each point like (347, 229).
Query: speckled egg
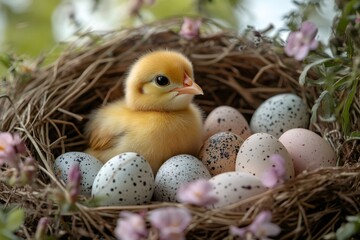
(176, 171)
(233, 187)
(126, 179)
(255, 152)
(280, 113)
(308, 150)
(89, 167)
(226, 119)
(219, 152)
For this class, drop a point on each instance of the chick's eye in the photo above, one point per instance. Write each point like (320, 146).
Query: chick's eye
(162, 80)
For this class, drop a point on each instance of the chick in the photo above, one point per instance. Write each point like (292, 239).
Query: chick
(156, 118)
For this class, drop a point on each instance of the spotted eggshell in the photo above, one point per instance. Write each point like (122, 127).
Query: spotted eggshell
(226, 119)
(280, 113)
(254, 155)
(89, 167)
(219, 152)
(126, 179)
(308, 150)
(233, 187)
(176, 171)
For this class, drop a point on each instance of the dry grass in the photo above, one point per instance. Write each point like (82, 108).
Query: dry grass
(51, 109)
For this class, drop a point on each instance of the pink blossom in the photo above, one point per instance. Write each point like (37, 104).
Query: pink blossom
(261, 227)
(171, 222)
(276, 174)
(41, 228)
(74, 181)
(24, 173)
(240, 232)
(130, 226)
(190, 29)
(11, 147)
(299, 43)
(199, 192)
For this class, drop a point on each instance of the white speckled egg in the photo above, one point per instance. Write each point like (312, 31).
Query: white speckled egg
(255, 152)
(233, 187)
(219, 152)
(176, 171)
(89, 167)
(280, 113)
(226, 119)
(308, 150)
(126, 179)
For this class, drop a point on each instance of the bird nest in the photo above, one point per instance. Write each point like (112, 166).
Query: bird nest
(51, 107)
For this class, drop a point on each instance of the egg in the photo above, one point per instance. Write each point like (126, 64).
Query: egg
(126, 179)
(308, 150)
(255, 153)
(280, 113)
(89, 167)
(232, 187)
(174, 172)
(226, 119)
(219, 152)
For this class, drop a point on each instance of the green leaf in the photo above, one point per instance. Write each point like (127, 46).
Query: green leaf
(302, 77)
(353, 218)
(317, 82)
(346, 110)
(327, 108)
(315, 108)
(355, 135)
(342, 82)
(343, 21)
(330, 236)
(15, 219)
(5, 60)
(8, 235)
(346, 231)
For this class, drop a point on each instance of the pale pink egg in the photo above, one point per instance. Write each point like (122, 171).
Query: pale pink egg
(226, 119)
(308, 150)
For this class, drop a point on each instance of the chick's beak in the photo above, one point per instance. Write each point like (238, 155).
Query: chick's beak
(189, 87)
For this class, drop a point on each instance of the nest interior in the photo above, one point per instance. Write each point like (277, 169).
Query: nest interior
(51, 110)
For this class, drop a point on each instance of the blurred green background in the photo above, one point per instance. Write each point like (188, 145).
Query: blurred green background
(32, 28)
(29, 31)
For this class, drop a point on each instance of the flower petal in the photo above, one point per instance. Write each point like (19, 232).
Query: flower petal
(293, 43)
(269, 178)
(272, 229)
(313, 44)
(260, 219)
(302, 52)
(236, 231)
(299, 43)
(130, 226)
(199, 192)
(279, 163)
(171, 222)
(190, 28)
(309, 29)
(262, 227)
(74, 181)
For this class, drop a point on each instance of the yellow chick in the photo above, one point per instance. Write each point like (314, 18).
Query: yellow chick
(157, 118)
